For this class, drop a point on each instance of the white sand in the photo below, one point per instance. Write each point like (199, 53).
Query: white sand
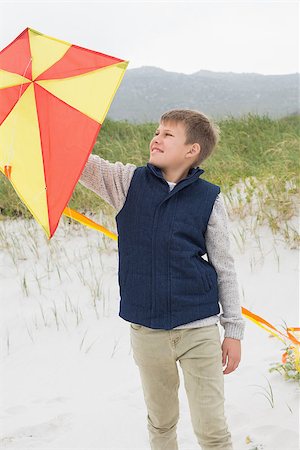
(76, 386)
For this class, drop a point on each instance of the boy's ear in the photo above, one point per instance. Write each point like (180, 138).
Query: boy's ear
(195, 149)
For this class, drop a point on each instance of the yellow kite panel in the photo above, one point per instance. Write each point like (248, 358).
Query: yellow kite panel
(45, 51)
(9, 79)
(20, 147)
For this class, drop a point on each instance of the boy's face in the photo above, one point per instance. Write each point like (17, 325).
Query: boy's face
(168, 149)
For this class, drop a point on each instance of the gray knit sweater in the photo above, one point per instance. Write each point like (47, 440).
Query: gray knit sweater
(111, 182)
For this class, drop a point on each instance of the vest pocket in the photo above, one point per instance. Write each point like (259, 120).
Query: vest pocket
(205, 281)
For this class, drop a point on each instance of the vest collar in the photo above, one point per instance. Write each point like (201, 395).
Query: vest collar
(193, 174)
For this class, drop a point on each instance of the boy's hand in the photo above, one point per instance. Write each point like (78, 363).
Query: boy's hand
(231, 350)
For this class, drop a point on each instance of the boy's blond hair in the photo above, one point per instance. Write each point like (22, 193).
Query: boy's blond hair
(198, 128)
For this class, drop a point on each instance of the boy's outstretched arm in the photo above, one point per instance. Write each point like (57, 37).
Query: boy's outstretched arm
(109, 180)
(219, 255)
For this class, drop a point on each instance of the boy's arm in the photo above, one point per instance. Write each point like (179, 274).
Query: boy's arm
(108, 180)
(219, 254)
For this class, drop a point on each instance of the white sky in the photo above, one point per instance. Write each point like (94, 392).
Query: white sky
(228, 36)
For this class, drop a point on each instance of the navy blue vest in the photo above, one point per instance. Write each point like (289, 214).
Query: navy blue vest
(164, 282)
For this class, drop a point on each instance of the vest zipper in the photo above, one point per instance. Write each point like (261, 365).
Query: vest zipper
(153, 306)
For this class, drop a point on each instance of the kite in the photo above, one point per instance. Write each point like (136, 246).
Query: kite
(54, 97)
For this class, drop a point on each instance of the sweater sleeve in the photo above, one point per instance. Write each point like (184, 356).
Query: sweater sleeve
(109, 180)
(219, 254)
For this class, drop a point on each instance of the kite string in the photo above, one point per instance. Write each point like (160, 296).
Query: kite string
(13, 133)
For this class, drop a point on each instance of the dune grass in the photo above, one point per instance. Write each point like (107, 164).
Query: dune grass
(257, 157)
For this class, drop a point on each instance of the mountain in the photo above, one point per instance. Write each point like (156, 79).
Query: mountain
(146, 92)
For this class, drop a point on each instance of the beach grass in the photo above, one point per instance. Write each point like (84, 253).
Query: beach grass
(256, 164)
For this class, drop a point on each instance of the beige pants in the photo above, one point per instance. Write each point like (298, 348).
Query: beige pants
(199, 353)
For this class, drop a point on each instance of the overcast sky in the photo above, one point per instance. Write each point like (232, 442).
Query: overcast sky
(228, 36)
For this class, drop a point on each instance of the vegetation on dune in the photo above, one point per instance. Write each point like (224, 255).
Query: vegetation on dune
(257, 156)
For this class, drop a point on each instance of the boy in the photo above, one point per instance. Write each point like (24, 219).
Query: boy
(167, 219)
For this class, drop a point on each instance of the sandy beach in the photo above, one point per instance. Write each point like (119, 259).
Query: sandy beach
(68, 378)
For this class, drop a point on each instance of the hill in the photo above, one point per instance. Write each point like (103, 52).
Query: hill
(146, 92)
